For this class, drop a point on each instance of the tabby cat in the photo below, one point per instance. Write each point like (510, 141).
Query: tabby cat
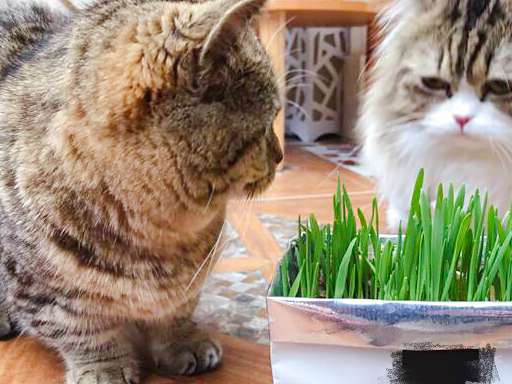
(124, 129)
(441, 99)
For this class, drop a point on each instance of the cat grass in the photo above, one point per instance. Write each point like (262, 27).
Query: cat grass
(455, 249)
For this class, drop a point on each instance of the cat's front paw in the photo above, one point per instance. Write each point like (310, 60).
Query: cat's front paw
(101, 374)
(189, 358)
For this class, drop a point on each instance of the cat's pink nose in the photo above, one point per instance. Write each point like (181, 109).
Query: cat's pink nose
(462, 120)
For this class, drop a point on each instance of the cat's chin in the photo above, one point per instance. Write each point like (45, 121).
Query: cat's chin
(454, 139)
(466, 140)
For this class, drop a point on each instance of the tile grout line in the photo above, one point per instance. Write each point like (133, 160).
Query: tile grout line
(305, 197)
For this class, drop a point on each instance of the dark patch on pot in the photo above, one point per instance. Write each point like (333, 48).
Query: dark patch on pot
(443, 366)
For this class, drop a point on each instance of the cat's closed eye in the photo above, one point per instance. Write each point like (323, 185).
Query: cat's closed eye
(435, 84)
(498, 87)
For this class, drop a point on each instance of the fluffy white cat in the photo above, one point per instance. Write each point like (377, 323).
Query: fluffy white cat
(441, 100)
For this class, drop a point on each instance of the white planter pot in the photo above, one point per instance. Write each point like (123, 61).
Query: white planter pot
(377, 342)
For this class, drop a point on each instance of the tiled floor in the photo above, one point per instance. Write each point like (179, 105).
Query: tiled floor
(344, 155)
(258, 232)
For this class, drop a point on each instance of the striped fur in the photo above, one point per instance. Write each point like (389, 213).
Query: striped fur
(407, 125)
(122, 135)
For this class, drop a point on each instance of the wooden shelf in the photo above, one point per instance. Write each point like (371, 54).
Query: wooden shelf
(309, 13)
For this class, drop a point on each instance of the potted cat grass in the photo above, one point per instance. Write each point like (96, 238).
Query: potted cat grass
(431, 305)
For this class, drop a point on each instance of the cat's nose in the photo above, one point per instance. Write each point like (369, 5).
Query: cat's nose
(278, 156)
(462, 120)
(275, 148)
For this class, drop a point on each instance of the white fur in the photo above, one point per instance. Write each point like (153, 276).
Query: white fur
(54, 5)
(58, 6)
(397, 13)
(479, 157)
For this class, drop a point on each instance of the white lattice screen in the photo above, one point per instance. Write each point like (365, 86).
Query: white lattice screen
(315, 82)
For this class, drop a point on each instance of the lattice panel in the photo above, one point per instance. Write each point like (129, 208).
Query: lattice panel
(314, 63)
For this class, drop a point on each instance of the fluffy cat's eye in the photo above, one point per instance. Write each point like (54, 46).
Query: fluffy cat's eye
(435, 83)
(498, 87)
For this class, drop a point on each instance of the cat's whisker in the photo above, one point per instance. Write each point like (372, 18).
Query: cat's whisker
(304, 72)
(403, 119)
(296, 77)
(505, 151)
(496, 149)
(296, 80)
(409, 117)
(289, 87)
(505, 147)
(284, 81)
(397, 124)
(297, 86)
(335, 170)
(505, 162)
(277, 32)
(210, 198)
(245, 208)
(207, 259)
(248, 212)
(286, 84)
(388, 130)
(217, 253)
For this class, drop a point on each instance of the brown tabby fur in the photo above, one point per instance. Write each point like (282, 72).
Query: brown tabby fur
(124, 128)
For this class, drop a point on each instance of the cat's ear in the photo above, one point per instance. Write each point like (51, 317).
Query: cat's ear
(233, 16)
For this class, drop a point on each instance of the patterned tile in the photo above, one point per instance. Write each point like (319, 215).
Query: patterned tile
(232, 247)
(283, 229)
(235, 303)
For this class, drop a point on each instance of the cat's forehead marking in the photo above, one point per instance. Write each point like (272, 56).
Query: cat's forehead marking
(474, 12)
(472, 25)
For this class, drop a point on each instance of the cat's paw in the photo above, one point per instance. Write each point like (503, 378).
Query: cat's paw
(189, 359)
(101, 374)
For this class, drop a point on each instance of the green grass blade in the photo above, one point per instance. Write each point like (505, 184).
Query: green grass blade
(341, 279)
(294, 290)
